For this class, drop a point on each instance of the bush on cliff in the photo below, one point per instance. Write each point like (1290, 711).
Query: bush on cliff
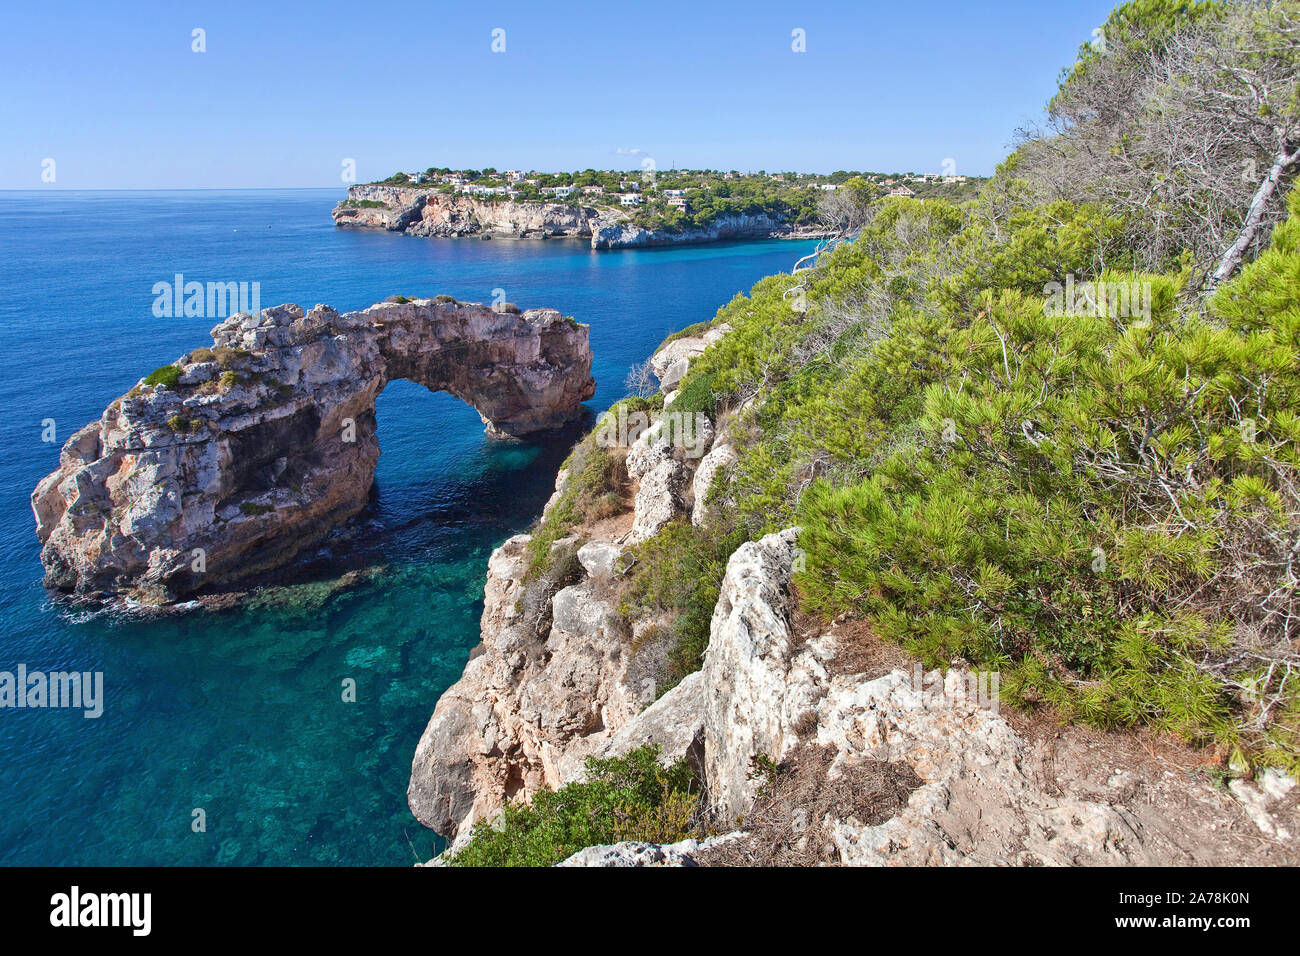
(1100, 506)
(167, 375)
(227, 357)
(623, 798)
(699, 395)
(593, 475)
(1006, 445)
(678, 573)
(1097, 501)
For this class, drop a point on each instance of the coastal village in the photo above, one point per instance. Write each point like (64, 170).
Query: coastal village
(677, 197)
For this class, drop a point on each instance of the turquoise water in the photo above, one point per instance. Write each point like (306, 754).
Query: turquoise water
(240, 713)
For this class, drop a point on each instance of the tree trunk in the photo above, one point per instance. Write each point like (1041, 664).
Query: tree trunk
(1254, 215)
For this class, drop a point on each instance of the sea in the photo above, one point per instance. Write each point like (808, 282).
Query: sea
(225, 736)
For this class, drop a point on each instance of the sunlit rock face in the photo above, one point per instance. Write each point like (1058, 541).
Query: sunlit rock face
(255, 448)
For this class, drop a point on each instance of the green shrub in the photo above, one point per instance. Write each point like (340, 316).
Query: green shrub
(1096, 504)
(698, 394)
(252, 509)
(679, 573)
(230, 378)
(167, 375)
(638, 403)
(1093, 504)
(593, 474)
(202, 355)
(622, 798)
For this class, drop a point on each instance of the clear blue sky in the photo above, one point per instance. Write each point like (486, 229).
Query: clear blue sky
(286, 91)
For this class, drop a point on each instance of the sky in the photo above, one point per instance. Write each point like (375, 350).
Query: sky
(101, 94)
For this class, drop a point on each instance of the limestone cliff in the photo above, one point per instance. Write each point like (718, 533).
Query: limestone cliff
(244, 453)
(427, 212)
(562, 678)
(812, 744)
(616, 234)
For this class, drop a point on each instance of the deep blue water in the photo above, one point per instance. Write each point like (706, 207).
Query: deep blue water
(240, 712)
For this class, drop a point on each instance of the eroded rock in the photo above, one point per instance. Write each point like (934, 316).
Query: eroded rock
(720, 456)
(525, 706)
(634, 854)
(658, 500)
(267, 441)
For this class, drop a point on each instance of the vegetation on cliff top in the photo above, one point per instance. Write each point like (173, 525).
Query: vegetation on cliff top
(1035, 432)
(623, 798)
(679, 199)
(167, 375)
(1053, 430)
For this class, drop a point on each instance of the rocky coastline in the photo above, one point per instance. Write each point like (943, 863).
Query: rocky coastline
(900, 766)
(427, 213)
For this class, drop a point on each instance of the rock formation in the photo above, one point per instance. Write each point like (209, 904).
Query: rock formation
(631, 854)
(613, 233)
(530, 708)
(427, 212)
(532, 705)
(244, 453)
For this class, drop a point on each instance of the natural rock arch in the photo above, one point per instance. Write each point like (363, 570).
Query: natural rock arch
(247, 452)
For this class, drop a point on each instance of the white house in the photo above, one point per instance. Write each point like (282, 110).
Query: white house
(629, 199)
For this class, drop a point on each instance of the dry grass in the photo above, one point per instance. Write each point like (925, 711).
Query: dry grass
(784, 826)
